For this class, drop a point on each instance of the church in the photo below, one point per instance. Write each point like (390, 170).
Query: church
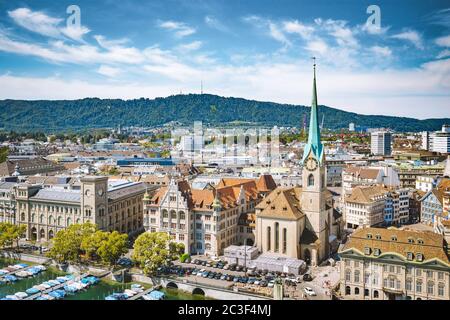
(298, 222)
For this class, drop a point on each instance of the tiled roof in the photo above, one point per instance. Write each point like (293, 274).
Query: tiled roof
(366, 194)
(282, 203)
(407, 240)
(362, 172)
(126, 190)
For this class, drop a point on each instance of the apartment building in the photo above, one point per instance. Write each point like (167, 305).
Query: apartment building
(7, 202)
(111, 205)
(394, 264)
(206, 220)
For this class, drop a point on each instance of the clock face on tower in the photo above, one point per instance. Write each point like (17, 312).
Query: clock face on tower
(311, 164)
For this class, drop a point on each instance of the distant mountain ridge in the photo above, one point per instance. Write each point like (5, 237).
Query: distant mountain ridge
(59, 115)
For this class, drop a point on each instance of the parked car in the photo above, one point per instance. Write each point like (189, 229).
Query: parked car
(229, 278)
(223, 277)
(218, 276)
(271, 283)
(204, 263)
(236, 279)
(263, 283)
(307, 277)
(211, 275)
(251, 280)
(233, 267)
(309, 291)
(238, 268)
(257, 282)
(226, 267)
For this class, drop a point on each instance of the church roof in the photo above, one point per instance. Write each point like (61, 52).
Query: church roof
(314, 144)
(282, 203)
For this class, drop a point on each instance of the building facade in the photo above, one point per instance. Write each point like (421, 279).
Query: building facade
(394, 264)
(380, 143)
(112, 207)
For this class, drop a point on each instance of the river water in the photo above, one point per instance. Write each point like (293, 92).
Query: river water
(96, 292)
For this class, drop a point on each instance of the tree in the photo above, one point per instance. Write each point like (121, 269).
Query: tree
(4, 151)
(92, 243)
(67, 242)
(112, 247)
(10, 233)
(152, 250)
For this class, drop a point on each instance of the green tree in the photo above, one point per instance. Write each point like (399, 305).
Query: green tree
(91, 243)
(67, 242)
(10, 234)
(152, 250)
(112, 247)
(4, 151)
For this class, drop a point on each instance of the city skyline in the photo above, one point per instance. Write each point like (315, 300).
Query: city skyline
(254, 50)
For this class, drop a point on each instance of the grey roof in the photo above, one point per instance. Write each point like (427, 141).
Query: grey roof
(58, 195)
(7, 186)
(125, 190)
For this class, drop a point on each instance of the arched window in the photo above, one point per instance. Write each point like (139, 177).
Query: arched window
(78, 221)
(33, 217)
(277, 236)
(182, 215)
(22, 216)
(284, 240)
(356, 276)
(347, 290)
(165, 213)
(356, 290)
(207, 246)
(41, 218)
(60, 221)
(310, 180)
(375, 294)
(268, 238)
(69, 221)
(50, 220)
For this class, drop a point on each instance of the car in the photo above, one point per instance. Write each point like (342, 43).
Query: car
(229, 278)
(223, 277)
(263, 283)
(251, 280)
(205, 274)
(309, 291)
(204, 263)
(243, 279)
(226, 267)
(236, 279)
(307, 277)
(208, 264)
(233, 267)
(271, 283)
(218, 276)
(257, 282)
(238, 268)
(211, 275)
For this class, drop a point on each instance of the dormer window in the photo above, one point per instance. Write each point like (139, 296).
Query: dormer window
(378, 237)
(410, 240)
(369, 236)
(409, 256)
(394, 238)
(419, 241)
(367, 250)
(376, 252)
(419, 257)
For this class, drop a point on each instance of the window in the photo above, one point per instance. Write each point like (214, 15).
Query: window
(441, 289)
(347, 275)
(375, 294)
(366, 292)
(409, 256)
(429, 274)
(369, 236)
(366, 278)
(284, 240)
(376, 252)
(419, 257)
(418, 286)
(394, 238)
(207, 237)
(347, 290)
(418, 272)
(356, 291)
(430, 287)
(408, 284)
(367, 251)
(277, 236)
(356, 276)
(310, 180)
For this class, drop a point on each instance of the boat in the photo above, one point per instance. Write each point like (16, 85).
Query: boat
(32, 291)
(11, 297)
(21, 295)
(154, 295)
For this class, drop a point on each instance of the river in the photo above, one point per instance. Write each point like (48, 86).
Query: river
(96, 292)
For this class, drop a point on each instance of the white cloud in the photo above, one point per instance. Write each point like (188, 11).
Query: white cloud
(443, 54)
(278, 35)
(191, 46)
(338, 29)
(412, 36)
(214, 23)
(373, 29)
(181, 29)
(318, 47)
(299, 28)
(108, 71)
(45, 25)
(381, 51)
(443, 41)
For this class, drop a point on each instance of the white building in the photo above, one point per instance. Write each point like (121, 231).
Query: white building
(380, 143)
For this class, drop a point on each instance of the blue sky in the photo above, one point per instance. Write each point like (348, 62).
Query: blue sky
(256, 49)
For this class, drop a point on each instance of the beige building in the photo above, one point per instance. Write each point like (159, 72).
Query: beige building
(394, 264)
(206, 221)
(114, 205)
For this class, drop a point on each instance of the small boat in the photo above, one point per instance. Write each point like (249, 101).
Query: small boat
(12, 297)
(154, 295)
(130, 293)
(21, 295)
(32, 291)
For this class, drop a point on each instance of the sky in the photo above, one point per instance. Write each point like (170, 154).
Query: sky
(395, 63)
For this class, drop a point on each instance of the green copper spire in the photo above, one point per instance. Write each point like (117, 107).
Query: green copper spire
(314, 144)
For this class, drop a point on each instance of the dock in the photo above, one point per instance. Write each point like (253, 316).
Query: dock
(15, 271)
(47, 291)
(141, 294)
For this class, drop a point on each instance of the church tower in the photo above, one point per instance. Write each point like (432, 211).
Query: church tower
(314, 189)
